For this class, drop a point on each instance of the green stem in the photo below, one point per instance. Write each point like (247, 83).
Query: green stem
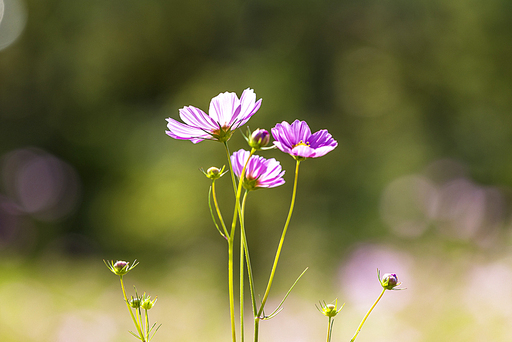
(278, 253)
(147, 323)
(231, 237)
(329, 329)
(242, 288)
(247, 257)
(242, 243)
(230, 286)
(218, 210)
(130, 309)
(233, 180)
(283, 235)
(367, 314)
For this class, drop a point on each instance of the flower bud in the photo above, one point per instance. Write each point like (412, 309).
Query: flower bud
(214, 172)
(120, 267)
(389, 281)
(259, 138)
(147, 303)
(330, 310)
(135, 302)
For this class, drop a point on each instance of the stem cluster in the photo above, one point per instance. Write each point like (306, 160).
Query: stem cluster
(258, 312)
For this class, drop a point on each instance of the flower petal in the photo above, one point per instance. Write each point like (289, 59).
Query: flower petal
(303, 151)
(223, 108)
(321, 138)
(301, 131)
(178, 130)
(260, 172)
(296, 139)
(248, 107)
(279, 132)
(195, 117)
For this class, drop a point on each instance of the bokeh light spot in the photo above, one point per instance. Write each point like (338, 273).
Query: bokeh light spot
(13, 17)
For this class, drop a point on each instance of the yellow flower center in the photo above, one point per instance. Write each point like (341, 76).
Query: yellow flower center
(301, 143)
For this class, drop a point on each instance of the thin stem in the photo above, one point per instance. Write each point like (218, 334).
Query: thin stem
(214, 195)
(230, 286)
(147, 323)
(130, 309)
(242, 287)
(329, 329)
(242, 243)
(247, 257)
(231, 237)
(367, 314)
(278, 253)
(233, 180)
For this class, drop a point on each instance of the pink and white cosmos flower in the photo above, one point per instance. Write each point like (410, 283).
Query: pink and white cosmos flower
(259, 173)
(226, 114)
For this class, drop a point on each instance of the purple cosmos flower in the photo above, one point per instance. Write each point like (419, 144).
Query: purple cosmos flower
(296, 140)
(226, 114)
(259, 173)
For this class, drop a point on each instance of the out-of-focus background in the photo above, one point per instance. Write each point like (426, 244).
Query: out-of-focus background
(418, 95)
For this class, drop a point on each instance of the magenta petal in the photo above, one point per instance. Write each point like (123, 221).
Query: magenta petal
(303, 151)
(285, 140)
(301, 130)
(322, 138)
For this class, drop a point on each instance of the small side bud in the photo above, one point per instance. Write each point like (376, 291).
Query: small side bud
(259, 138)
(147, 303)
(120, 267)
(389, 281)
(135, 302)
(330, 310)
(214, 172)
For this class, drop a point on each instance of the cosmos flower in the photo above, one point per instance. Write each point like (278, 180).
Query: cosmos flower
(226, 114)
(296, 140)
(259, 173)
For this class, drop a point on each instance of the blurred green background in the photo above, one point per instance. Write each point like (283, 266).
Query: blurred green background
(418, 95)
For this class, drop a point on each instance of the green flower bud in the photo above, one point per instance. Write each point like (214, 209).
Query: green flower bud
(135, 302)
(147, 303)
(214, 172)
(259, 138)
(330, 310)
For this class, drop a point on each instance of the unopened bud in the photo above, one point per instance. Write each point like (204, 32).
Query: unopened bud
(214, 172)
(389, 281)
(135, 302)
(120, 267)
(259, 138)
(330, 310)
(147, 303)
